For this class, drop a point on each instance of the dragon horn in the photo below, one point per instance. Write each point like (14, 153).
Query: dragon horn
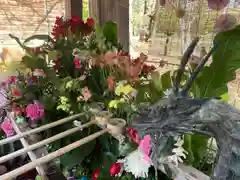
(199, 68)
(183, 63)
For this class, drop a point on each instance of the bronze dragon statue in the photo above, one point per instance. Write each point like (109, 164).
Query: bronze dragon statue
(179, 113)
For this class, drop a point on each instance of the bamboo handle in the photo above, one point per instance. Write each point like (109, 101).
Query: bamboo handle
(44, 142)
(40, 129)
(51, 156)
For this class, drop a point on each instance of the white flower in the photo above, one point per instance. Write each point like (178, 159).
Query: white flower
(77, 123)
(136, 164)
(168, 93)
(179, 153)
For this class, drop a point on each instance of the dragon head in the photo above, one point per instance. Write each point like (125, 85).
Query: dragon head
(173, 114)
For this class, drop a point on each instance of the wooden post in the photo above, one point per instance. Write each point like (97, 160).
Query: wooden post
(116, 11)
(123, 23)
(73, 8)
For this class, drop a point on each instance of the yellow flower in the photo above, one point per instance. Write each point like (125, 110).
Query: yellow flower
(114, 103)
(123, 89)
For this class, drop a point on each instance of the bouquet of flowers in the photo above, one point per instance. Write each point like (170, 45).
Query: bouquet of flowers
(81, 64)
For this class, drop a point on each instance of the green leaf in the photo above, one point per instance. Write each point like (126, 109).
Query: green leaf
(162, 81)
(110, 32)
(34, 62)
(52, 55)
(76, 156)
(38, 177)
(188, 147)
(225, 61)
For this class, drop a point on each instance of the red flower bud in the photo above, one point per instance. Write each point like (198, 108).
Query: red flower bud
(90, 22)
(96, 174)
(115, 169)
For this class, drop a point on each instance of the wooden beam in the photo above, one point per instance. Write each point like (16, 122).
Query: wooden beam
(73, 8)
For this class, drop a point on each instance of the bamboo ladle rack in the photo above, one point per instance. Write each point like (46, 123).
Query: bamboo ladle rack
(114, 126)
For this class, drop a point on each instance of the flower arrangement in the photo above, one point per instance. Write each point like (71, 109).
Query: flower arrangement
(79, 65)
(82, 65)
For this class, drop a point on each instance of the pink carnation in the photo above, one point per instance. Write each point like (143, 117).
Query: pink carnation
(35, 111)
(6, 126)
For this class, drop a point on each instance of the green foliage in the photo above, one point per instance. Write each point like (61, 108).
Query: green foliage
(110, 32)
(211, 82)
(225, 61)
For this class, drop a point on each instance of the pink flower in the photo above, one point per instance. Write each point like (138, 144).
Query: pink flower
(12, 80)
(77, 62)
(35, 111)
(86, 94)
(16, 92)
(225, 22)
(6, 126)
(39, 73)
(111, 82)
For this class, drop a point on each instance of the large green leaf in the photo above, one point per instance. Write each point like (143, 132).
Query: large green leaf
(110, 32)
(225, 61)
(162, 81)
(34, 62)
(76, 156)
